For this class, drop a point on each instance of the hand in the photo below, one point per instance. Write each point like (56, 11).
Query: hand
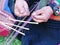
(43, 14)
(21, 8)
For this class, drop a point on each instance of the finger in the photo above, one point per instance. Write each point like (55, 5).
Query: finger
(38, 12)
(39, 17)
(16, 11)
(26, 8)
(39, 21)
(20, 7)
(22, 12)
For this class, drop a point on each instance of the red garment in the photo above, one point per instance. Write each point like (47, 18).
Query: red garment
(3, 32)
(52, 17)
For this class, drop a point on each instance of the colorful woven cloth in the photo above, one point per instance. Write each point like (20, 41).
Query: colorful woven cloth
(4, 32)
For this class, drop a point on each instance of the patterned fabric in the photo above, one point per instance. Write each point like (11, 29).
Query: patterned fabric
(4, 32)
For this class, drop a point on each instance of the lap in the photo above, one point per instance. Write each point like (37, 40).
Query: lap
(44, 34)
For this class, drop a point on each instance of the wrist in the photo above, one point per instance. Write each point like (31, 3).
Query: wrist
(51, 10)
(55, 8)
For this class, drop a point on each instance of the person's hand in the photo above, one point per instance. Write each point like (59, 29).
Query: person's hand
(42, 15)
(21, 8)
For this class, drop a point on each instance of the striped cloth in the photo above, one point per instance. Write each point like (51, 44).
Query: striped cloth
(4, 32)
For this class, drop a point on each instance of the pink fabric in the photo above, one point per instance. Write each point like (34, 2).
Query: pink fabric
(2, 4)
(3, 17)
